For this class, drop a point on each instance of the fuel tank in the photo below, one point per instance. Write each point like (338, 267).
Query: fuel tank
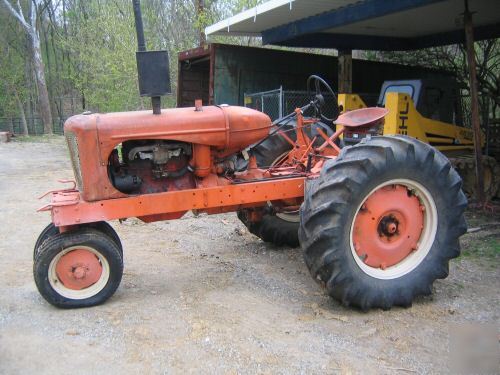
(227, 128)
(91, 138)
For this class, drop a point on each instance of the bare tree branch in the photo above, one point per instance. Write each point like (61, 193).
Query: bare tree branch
(33, 15)
(18, 15)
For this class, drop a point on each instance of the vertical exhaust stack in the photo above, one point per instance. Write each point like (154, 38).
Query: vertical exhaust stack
(139, 28)
(152, 66)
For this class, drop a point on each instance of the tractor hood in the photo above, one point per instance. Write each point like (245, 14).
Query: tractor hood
(227, 129)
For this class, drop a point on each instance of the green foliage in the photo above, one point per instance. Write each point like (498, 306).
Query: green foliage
(89, 49)
(12, 78)
(46, 138)
(454, 59)
(101, 45)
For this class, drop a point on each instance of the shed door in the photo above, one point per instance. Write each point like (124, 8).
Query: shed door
(194, 82)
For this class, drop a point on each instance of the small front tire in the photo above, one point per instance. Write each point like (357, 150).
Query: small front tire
(51, 230)
(82, 268)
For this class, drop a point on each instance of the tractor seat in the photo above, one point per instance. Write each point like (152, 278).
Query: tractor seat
(361, 117)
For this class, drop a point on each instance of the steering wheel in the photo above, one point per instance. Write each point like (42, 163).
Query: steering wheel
(318, 99)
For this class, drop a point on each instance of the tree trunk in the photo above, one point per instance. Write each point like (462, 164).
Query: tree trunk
(28, 76)
(59, 87)
(10, 125)
(202, 39)
(50, 84)
(35, 51)
(24, 124)
(43, 95)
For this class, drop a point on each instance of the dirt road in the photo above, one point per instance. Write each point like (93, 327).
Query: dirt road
(202, 295)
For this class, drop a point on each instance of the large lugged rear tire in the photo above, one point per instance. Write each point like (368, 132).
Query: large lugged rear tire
(279, 229)
(382, 221)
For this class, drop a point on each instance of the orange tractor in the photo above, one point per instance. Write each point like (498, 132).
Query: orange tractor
(378, 222)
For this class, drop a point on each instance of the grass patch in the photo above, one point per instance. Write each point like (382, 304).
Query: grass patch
(483, 248)
(478, 218)
(38, 138)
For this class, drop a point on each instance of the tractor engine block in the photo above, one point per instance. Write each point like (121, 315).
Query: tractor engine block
(142, 167)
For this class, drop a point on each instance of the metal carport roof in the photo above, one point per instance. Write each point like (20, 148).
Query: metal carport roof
(366, 24)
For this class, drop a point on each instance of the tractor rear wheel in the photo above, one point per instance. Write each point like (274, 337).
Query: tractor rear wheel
(51, 230)
(81, 268)
(277, 228)
(382, 221)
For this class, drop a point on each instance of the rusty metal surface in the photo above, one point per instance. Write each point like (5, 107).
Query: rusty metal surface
(226, 129)
(236, 70)
(361, 117)
(217, 132)
(388, 226)
(195, 52)
(68, 208)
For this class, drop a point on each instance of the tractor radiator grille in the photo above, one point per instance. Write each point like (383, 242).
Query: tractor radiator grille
(75, 157)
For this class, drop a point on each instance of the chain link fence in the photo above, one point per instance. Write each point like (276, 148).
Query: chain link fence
(464, 101)
(64, 106)
(278, 103)
(269, 102)
(35, 125)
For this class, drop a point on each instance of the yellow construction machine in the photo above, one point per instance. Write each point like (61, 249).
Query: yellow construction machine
(431, 111)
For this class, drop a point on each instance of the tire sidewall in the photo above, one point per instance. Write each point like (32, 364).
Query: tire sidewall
(49, 231)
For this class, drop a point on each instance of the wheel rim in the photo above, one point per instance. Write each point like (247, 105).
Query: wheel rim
(79, 272)
(291, 217)
(393, 229)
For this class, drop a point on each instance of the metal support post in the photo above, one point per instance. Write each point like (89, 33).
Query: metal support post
(345, 72)
(471, 60)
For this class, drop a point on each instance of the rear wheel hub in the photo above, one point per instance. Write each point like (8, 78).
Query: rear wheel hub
(393, 223)
(388, 226)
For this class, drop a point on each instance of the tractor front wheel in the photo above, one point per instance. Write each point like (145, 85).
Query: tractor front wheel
(81, 268)
(382, 221)
(51, 230)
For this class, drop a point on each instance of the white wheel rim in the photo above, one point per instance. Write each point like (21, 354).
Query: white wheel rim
(426, 240)
(88, 292)
(289, 217)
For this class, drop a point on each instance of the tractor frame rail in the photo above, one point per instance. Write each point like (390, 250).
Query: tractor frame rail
(67, 208)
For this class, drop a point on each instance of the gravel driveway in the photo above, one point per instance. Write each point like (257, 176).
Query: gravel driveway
(202, 295)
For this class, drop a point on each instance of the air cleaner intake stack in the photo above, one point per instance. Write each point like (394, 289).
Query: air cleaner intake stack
(152, 66)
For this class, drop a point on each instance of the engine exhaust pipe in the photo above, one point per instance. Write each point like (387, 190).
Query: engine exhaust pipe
(152, 66)
(139, 28)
